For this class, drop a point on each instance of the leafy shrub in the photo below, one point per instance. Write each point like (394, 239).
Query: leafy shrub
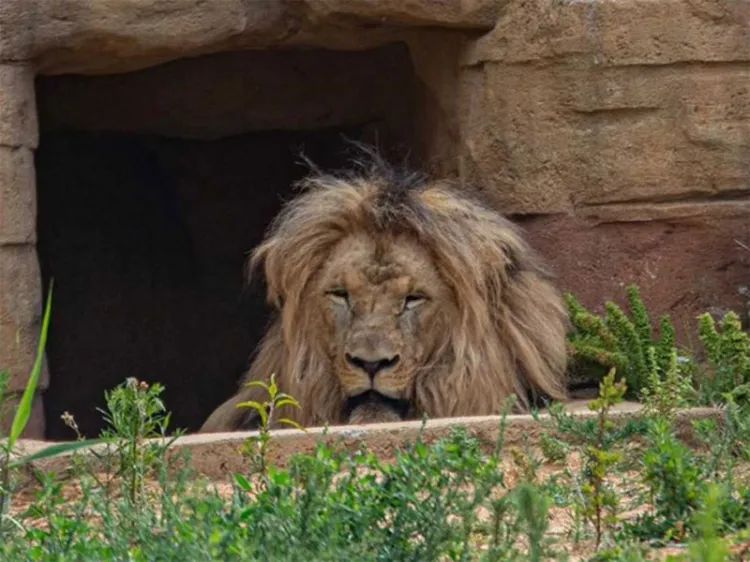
(727, 358)
(447, 500)
(598, 344)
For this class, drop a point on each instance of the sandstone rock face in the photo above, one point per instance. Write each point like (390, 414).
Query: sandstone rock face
(603, 102)
(622, 129)
(18, 121)
(683, 266)
(17, 196)
(20, 312)
(117, 35)
(551, 140)
(20, 282)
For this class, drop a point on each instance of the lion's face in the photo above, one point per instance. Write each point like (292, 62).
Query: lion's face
(398, 297)
(385, 309)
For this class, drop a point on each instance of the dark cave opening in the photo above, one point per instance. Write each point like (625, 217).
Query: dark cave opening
(146, 237)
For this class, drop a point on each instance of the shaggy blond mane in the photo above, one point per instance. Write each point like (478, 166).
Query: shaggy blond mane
(508, 337)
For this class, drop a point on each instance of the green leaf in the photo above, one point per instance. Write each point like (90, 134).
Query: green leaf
(294, 424)
(21, 417)
(252, 404)
(54, 450)
(257, 383)
(258, 407)
(287, 401)
(243, 483)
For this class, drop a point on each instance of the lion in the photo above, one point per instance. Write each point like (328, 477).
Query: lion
(396, 297)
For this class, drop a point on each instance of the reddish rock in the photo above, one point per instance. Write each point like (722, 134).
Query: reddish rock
(683, 266)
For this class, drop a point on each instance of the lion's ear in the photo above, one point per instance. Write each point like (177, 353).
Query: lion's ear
(265, 258)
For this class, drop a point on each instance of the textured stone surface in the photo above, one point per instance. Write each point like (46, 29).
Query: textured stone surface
(96, 33)
(105, 35)
(542, 140)
(17, 23)
(581, 103)
(18, 121)
(480, 14)
(684, 264)
(20, 313)
(17, 196)
(632, 32)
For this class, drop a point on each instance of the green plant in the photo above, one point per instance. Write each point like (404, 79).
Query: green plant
(265, 411)
(598, 344)
(448, 499)
(666, 390)
(533, 505)
(553, 449)
(599, 499)
(709, 547)
(21, 417)
(727, 356)
(135, 417)
(675, 482)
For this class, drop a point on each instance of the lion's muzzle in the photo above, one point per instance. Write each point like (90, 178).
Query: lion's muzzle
(370, 366)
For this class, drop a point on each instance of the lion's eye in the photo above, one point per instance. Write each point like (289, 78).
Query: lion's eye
(413, 301)
(339, 295)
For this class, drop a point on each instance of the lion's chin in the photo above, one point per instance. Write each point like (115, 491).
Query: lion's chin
(373, 407)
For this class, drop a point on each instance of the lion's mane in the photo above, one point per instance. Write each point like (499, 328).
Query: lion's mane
(508, 338)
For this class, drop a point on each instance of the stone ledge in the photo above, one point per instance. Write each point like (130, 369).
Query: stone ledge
(673, 211)
(104, 36)
(216, 456)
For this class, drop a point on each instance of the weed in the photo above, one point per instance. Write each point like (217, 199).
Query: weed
(728, 358)
(265, 411)
(667, 390)
(676, 486)
(532, 505)
(709, 547)
(134, 414)
(20, 418)
(600, 500)
(553, 449)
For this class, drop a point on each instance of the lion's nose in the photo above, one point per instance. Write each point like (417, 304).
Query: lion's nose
(372, 368)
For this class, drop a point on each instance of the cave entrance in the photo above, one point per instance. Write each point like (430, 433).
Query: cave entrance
(153, 186)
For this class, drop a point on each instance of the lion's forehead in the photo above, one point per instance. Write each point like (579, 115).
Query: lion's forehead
(383, 273)
(392, 265)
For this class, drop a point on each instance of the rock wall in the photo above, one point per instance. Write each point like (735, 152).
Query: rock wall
(622, 131)
(617, 132)
(20, 283)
